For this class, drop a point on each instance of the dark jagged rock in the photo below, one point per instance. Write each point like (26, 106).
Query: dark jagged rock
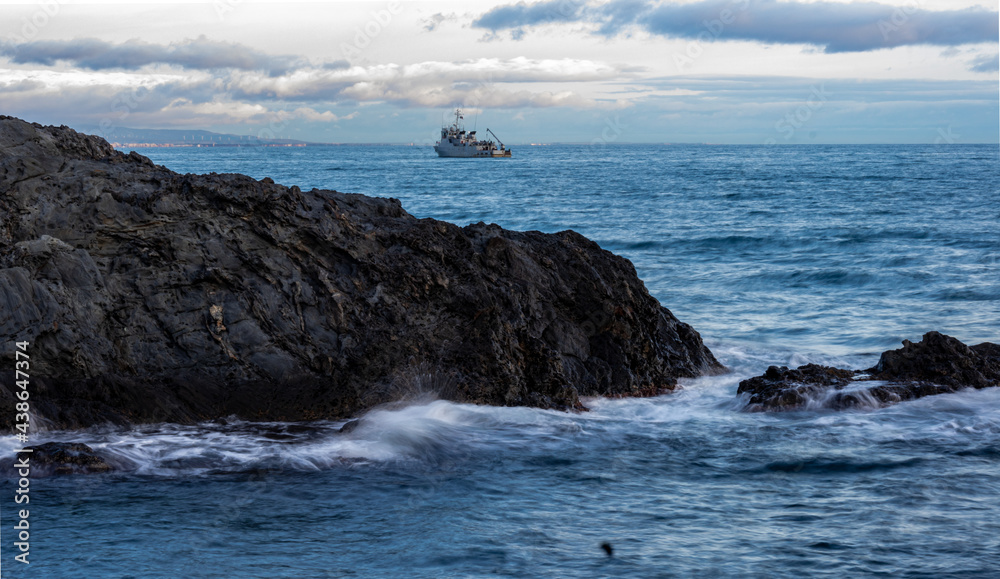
(150, 296)
(943, 360)
(55, 458)
(936, 365)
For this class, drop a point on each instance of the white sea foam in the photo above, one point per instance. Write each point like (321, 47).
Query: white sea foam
(436, 432)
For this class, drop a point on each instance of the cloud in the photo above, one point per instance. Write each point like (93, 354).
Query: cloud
(985, 63)
(336, 65)
(434, 20)
(21, 85)
(485, 96)
(309, 114)
(725, 90)
(835, 26)
(169, 104)
(518, 15)
(320, 93)
(433, 83)
(216, 68)
(673, 108)
(200, 53)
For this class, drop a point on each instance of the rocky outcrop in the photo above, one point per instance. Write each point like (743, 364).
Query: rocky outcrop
(943, 360)
(150, 296)
(936, 365)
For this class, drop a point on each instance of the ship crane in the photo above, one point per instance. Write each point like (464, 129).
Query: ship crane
(497, 138)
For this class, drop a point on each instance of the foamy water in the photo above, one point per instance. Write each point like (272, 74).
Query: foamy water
(686, 482)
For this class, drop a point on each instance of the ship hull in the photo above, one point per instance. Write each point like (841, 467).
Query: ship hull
(469, 152)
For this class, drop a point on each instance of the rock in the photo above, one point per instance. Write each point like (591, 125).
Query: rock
(942, 360)
(781, 388)
(936, 365)
(149, 296)
(55, 458)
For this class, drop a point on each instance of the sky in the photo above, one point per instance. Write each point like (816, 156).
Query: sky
(581, 71)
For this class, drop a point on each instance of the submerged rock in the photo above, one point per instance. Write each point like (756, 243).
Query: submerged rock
(938, 364)
(780, 387)
(55, 458)
(150, 296)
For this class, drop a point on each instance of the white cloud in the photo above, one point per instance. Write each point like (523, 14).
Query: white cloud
(309, 114)
(424, 83)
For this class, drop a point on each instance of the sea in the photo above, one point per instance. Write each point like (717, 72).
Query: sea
(777, 255)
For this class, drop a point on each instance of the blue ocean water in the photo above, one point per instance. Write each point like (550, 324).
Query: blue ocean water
(777, 255)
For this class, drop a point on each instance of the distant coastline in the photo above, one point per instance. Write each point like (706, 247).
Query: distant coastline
(119, 145)
(126, 137)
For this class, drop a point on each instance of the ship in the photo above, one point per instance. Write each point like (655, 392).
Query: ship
(456, 142)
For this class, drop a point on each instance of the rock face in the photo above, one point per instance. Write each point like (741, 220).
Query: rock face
(936, 365)
(150, 296)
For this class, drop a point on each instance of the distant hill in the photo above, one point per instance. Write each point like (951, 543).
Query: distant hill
(128, 137)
